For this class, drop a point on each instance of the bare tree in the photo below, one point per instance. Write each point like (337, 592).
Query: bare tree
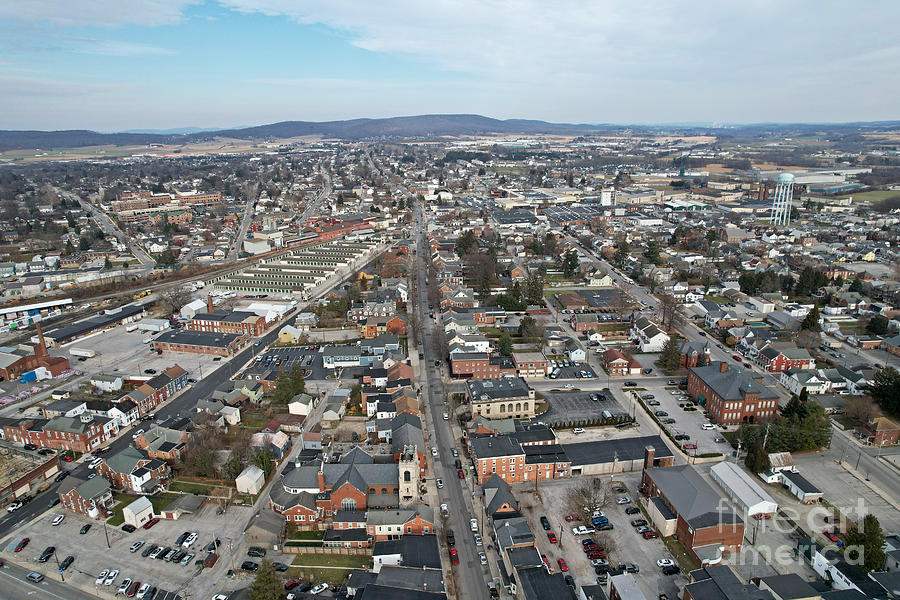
(862, 408)
(589, 496)
(173, 299)
(672, 312)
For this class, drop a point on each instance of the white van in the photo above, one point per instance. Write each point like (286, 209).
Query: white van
(707, 426)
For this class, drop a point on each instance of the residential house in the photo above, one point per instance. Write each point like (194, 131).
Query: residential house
(617, 364)
(91, 498)
(796, 380)
(648, 336)
(162, 443)
(880, 431)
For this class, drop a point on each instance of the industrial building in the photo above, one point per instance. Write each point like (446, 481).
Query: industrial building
(296, 271)
(106, 319)
(741, 488)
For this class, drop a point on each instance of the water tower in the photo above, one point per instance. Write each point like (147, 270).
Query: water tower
(781, 201)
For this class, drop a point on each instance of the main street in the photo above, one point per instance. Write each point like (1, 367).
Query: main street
(241, 234)
(454, 493)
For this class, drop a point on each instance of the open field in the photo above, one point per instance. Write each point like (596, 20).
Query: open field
(873, 196)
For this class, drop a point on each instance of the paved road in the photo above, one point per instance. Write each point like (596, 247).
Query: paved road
(864, 459)
(245, 225)
(110, 228)
(454, 493)
(314, 205)
(14, 586)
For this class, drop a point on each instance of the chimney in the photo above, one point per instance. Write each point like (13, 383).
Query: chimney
(649, 455)
(321, 476)
(41, 348)
(209, 304)
(723, 366)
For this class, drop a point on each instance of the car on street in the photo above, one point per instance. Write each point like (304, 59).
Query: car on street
(482, 558)
(34, 577)
(454, 556)
(460, 474)
(478, 541)
(14, 506)
(473, 524)
(439, 482)
(562, 565)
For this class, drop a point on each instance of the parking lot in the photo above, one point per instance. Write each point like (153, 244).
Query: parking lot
(623, 544)
(284, 358)
(576, 371)
(91, 554)
(124, 352)
(686, 422)
(574, 405)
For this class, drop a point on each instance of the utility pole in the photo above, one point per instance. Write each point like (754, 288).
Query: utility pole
(58, 566)
(106, 532)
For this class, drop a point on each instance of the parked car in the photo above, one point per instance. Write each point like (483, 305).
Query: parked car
(562, 565)
(111, 577)
(552, 537)
(249, 565)
(136, 546)
(146, 552)
(151, 523)
(482, 558)
(545, 523)
(319, 588)
(84, 529)
(454, 556)
(649, 535)
(21, 545)
(129, 528)
(632, 510)
(101, 577)
(123, 587)
(66, 562)
(46, 554)
(58, 519)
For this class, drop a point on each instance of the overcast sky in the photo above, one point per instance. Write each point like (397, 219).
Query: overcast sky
(128, 64)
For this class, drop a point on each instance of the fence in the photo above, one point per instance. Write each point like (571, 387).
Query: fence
(324, 550)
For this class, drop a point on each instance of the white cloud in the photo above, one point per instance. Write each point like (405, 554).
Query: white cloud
(119, 48)
(95, 13)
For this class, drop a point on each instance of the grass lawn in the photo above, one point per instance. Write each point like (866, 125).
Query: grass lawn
(351, 561)
(314, 534)
(253, 420)
(192, 487)
(329, 576)
(873, 196)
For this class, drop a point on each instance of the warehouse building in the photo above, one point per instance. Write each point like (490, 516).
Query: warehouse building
(199, 342)
(108, 318)
(741, 488)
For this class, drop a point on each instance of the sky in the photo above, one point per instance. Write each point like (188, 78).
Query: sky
(115, 65)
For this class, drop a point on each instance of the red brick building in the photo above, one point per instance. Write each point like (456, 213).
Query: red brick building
(372, 327)
(132, 470)
(776, 361)
(473, 365)
(92, 498)
(14, 364)
(682, 504)
(82, 433)
(235, 322)
(880, 431)
(732, 395)
(618, 365)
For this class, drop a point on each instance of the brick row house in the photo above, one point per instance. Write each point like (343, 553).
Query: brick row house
(777, 360)
(81, 433)
(516, 462)
(156, 390)
(91, 498)
(371, 327)
(133, 470)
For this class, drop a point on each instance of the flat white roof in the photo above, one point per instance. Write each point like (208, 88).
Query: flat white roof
(21, 307)
(741, 486)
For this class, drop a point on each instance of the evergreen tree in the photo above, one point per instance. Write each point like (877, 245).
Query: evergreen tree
(869, 542)
(757, 460)
(652, 252)
(570, 263)
(885, 390)
(702, 360)
(504, 344)
(811, 321)
(670, 358)
(792, 408)
(267, 585)
(466, 243)
(856, 285)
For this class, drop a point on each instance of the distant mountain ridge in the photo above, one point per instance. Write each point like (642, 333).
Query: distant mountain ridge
(392, 127)
(353, 129)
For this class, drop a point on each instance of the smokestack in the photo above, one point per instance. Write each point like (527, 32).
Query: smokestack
(41, 349)
(649, 455)
(209, 304)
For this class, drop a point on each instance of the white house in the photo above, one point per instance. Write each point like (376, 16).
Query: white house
(250, 481)
(650, 338)
(107, 383)
(800, 486)
(797, 379)
(137, 513)
(574, 351)
(301, 404)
